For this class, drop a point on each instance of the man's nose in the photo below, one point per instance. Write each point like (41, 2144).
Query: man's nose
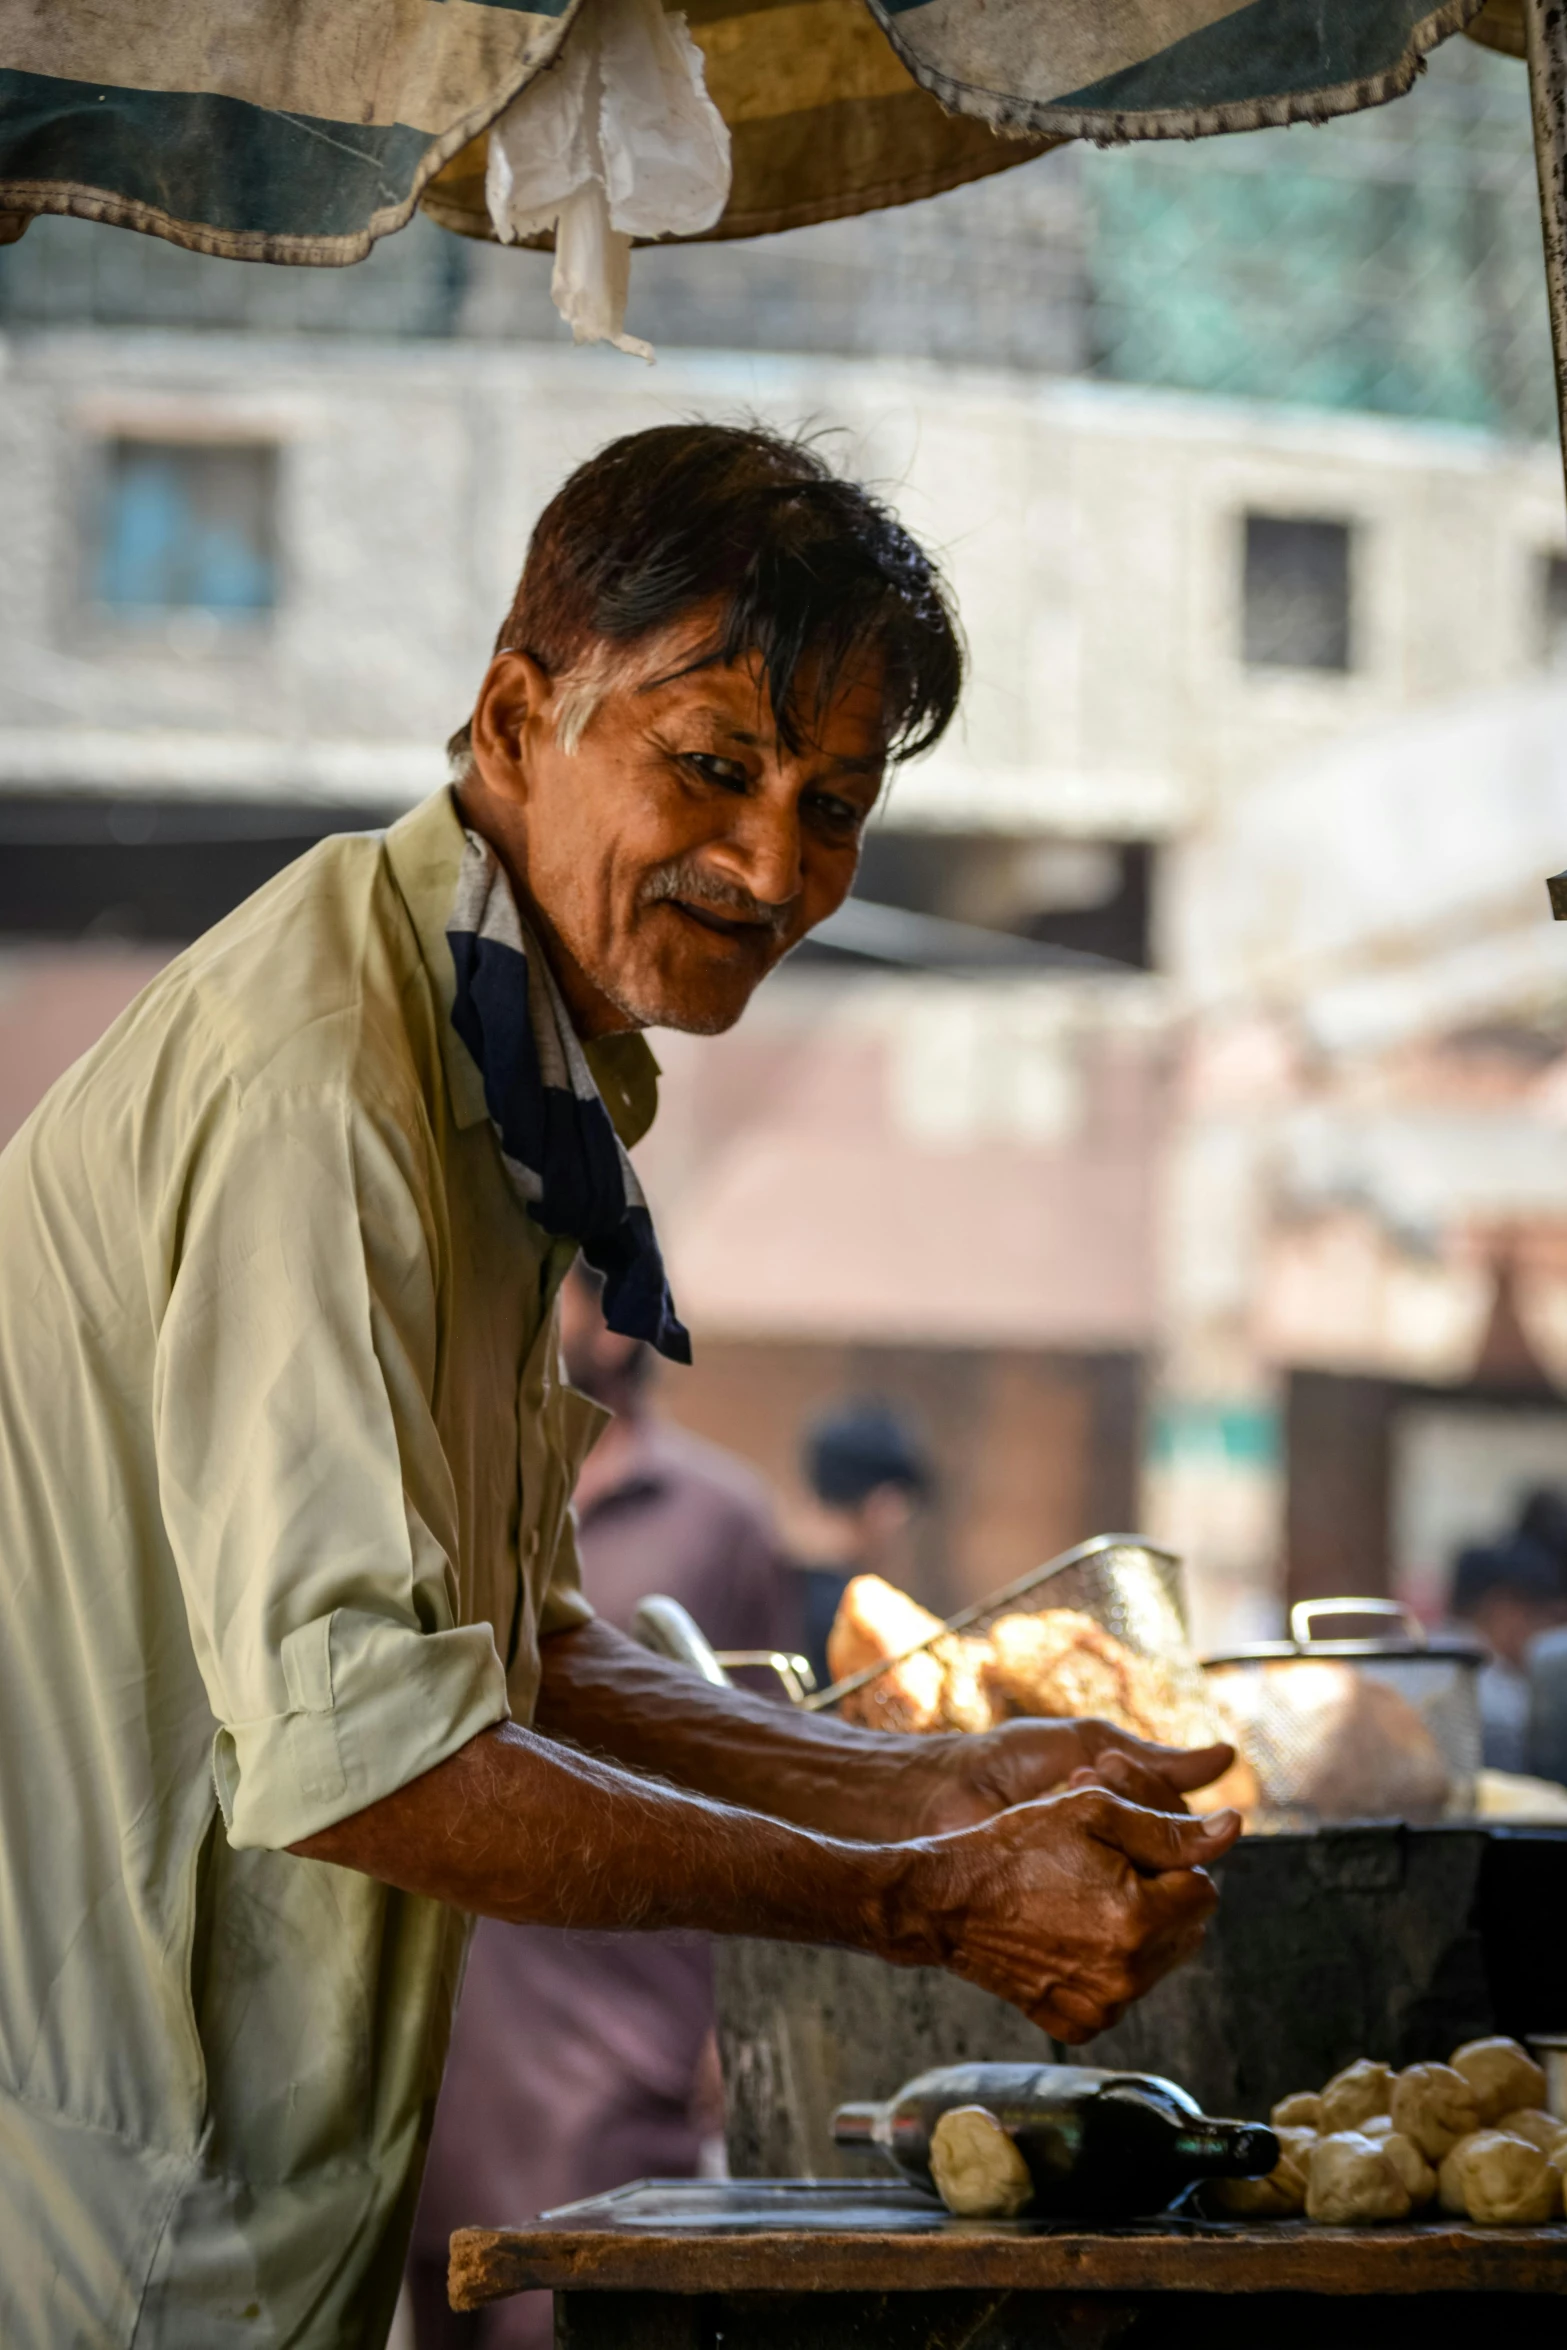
(763, 851)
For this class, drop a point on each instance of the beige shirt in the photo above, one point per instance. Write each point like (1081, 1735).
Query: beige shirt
(286, 1460)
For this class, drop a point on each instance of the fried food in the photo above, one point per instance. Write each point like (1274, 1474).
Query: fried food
(1302, 2111)
(1237, 1789)
(876, 1622)
(978, 2170)
(942, 1687)
(1336, 1741)
(966, 1703)
(1060, 1664)
(1354, 2095)
(1434, 2106)
(1501, 2074)
(1350, 2179)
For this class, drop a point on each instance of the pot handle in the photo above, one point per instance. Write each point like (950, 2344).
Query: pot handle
(1305, 1613)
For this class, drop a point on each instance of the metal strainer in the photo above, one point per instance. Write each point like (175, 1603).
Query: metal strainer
(1417, 1762)
(1128, 1585)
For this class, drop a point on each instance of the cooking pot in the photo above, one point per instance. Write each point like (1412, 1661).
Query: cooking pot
(1391, 1727)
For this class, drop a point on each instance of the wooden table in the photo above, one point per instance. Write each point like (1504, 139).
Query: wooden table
(788, 2264)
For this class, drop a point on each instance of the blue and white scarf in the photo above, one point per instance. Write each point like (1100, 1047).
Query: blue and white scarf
(561, 1151)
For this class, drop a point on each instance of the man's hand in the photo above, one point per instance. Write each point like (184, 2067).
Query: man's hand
(1070, 1907)
(964, 1779)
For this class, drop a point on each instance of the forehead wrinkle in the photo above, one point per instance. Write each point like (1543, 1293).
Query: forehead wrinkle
(712, 659)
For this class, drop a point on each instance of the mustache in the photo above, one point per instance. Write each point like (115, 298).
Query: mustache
(684, 878)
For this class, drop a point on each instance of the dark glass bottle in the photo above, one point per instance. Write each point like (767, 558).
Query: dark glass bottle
(1098, 2145)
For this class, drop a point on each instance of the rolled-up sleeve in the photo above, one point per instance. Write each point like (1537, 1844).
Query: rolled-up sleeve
(306, 1494)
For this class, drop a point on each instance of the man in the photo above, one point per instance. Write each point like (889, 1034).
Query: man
(1510, 1593)
(581, 2060)
(868, 1475)
(295, 1641)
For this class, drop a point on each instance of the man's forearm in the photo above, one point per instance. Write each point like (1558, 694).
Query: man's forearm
(514, 1826)
(1069, 1907)
(603, 1692)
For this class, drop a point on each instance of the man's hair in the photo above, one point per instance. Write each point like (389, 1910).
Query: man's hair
(855, 1447)
(1518, 1567)
(809, 572)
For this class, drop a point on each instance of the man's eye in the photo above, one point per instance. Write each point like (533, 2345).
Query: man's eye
(839, 816)
(724, 772)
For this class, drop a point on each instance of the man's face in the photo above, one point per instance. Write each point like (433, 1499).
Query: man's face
(598, 1360)
(679, 852)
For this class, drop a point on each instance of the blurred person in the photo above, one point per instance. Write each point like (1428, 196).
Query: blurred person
(579, 2061)
(1508, 1593)
(1542, 1519)
(298, 1677)
(868, 1475)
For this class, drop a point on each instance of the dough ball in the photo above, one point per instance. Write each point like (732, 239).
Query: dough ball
(1502, 2076)
(1302, 2111)
(1507, 2182)
(1351, 2179)
(1380, 2126)
(1418, 2175)
(1281, 2195)
(1450, 2177)
(1354, 2095)
(1544, 2130)
(1434, 2107)
(978, 2171)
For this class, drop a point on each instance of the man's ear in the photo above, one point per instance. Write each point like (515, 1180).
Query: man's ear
(514, 708)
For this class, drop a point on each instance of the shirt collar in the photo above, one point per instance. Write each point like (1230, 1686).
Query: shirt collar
(646, 1467)
(425, 851)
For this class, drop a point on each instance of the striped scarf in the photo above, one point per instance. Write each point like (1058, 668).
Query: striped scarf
(563, 1156)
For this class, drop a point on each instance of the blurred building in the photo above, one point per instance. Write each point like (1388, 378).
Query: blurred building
(261, 525)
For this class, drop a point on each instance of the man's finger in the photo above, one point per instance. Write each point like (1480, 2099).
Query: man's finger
(1154, 1841)
(1124, 1775)
(1175, 1909)
(1072, 2016)
(1185, 1767)
(1187, 1900)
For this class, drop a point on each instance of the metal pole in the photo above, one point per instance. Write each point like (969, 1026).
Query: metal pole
(1545, 35)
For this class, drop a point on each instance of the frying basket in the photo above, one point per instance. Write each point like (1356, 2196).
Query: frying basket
(1435, 1676)
(1129, 1586)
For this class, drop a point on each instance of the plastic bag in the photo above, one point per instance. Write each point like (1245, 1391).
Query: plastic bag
(618, 139)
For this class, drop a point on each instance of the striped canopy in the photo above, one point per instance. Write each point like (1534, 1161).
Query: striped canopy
(302, 130)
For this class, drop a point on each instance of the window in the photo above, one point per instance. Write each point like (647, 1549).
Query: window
(1295, 594)
(187, 527)
(1553, 612)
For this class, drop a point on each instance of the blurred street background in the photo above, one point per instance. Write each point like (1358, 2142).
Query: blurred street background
(1176, 1132)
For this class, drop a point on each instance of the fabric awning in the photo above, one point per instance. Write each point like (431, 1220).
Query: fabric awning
(302, 130)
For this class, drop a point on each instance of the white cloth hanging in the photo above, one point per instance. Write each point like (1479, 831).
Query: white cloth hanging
(618, 139)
